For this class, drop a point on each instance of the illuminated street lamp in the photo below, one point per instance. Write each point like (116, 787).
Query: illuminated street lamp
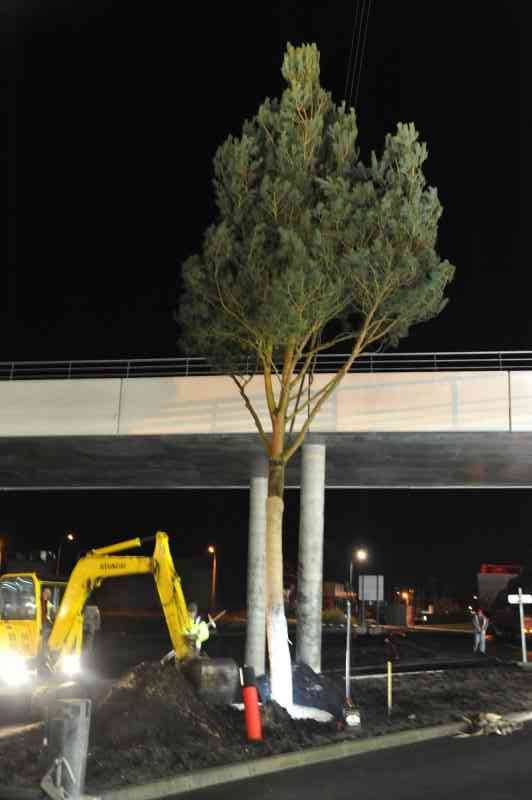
(406, 597)
(212, 552)
(360, 556)
(69, 537)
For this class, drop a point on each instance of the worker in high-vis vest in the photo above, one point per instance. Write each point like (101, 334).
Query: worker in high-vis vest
(197, 630)
(47, 613)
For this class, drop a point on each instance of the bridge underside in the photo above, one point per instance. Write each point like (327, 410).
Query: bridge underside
(210, 461)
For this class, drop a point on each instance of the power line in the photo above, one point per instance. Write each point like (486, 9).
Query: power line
(360, 6)
(356, 53)
(362, 51)
(349, 63)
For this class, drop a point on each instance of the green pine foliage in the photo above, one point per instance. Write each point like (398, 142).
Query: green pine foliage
(310, 246)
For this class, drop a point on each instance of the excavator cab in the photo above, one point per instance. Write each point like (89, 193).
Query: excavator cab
(27, 608)
(20, 627)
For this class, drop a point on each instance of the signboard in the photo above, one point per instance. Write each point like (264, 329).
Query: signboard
(514, 598)
(521, 599)
(371, 588)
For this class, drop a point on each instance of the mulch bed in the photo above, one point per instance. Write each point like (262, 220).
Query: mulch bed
(152, 725)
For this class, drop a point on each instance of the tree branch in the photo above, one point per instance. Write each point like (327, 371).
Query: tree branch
(230, 312)
(311, 399)
(268, 388)
(313, 335)
(375, 337)
(358, 347)
(249, 406)
(300, 378)
(288, 368)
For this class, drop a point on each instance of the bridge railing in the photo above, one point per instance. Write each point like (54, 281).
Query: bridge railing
(327, 362)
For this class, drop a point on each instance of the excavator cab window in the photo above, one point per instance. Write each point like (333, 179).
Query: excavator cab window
(51, 596)
(17, 598)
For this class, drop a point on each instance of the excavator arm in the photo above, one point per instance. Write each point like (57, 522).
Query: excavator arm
(65, 640)
(171, 595)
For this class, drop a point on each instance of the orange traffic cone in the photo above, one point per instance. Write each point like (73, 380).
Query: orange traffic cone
(251, 705)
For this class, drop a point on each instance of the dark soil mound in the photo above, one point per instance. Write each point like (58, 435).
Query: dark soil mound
(152, 722)
(158, 699)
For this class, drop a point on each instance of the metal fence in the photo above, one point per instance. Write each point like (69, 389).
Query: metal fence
(199, 365)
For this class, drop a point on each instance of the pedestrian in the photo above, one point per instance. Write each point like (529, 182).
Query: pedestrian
(390, 645)
(480, 626)
(197, 630)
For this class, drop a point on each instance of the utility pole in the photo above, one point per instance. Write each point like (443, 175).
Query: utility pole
(212, 551)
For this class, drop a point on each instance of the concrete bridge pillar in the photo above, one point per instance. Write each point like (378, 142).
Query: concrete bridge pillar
(256, 587)
(310, 562)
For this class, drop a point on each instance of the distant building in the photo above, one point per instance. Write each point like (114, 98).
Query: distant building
(492, 579)
(334, 594)
(41, 562)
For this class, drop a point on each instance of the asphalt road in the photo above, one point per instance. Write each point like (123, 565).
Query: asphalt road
(487, 767)
(118, 651)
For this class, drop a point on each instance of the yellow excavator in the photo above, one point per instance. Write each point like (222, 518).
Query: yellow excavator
(26, 651)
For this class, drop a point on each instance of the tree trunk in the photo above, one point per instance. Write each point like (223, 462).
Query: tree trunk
(276, 627)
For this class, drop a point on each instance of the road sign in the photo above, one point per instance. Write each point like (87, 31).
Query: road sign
(371, 587)
(514, 598)
(521, 599)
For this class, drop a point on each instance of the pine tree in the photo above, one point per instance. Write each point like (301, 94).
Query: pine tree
(310, 248)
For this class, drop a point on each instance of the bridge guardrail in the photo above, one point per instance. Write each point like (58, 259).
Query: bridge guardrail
(480, 360)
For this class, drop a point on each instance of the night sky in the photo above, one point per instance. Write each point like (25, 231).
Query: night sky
(115, 111)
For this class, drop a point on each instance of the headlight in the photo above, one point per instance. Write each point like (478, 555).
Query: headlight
(70, 664)
(14, 670)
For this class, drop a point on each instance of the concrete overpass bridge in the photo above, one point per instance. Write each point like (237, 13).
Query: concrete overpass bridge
(417, 420)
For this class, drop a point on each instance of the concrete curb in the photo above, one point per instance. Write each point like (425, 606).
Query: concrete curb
(214, 776)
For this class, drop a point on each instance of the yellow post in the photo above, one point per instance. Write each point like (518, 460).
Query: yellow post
(389, 688)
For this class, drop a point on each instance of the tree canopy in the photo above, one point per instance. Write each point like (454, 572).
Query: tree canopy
(310, 246)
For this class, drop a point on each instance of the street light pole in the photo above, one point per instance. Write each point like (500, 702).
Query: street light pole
(212, 550)
(348, 654)
(406, 598)
(360, 554)
(68, 538)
